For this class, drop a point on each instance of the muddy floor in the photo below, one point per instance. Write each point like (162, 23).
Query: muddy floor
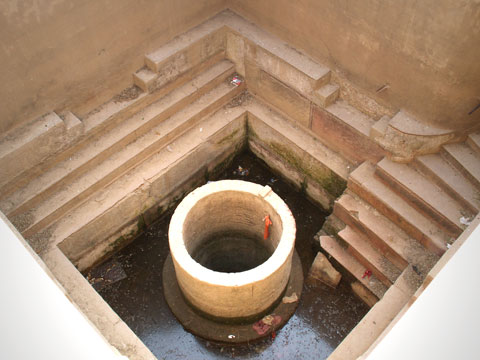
(134, 290)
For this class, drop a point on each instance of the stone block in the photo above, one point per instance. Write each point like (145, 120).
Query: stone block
(326, 95)
(279, 95)
(250, 51)
(280, 68)
(74, 127)
(235, 51)
(145, 79)
(364, 294)
(26, 146)
(379, 128)
(170, 64)
(406, 137)
(343, 137)
(473, 141)
(283, 62)
(323, 271)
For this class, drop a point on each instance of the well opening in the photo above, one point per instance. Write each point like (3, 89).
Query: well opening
(226, 264)
(230, 252)
(224, 232)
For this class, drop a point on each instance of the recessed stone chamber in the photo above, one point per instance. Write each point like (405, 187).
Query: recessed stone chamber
(224, 265)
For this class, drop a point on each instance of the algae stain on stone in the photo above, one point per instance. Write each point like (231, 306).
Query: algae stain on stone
(332, 183)
(117, 244)
(288, 155)
(122, 240)
(229, 138)
(141, 224)
(251, 134)
(303, 186)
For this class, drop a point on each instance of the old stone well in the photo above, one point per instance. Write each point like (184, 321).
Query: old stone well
(230, 266)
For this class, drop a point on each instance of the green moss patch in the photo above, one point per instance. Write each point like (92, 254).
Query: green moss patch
(323, 176)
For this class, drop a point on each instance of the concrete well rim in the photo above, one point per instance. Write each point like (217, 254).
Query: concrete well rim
(282, 253)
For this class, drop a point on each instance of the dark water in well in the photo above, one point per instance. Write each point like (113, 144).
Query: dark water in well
(231, 253)
(324, 316)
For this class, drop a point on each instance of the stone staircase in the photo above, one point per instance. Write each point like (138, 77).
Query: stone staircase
(398, 216)
(118, 139)
(86, 186)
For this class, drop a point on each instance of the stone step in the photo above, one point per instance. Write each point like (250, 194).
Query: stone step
(331, 226)
(364, 294)
(331, 246)
(18, 137)
(105, 118)
(95, 228)
(152, 82)
(74, 193)
(73, 125)
(346, 130)
(145, 79)
(112, 141)
(359, 246)
(450, 180)
(379, 129)
(473, 140)
(244, 41)
(389, 239)
(23, 147)
(276, 57)
(188, 49)
(465, 159)
(327, 95)
(424, 195)
(98, 121)
(291, 67)
(352, 117)
(278, 95)
(363, 182)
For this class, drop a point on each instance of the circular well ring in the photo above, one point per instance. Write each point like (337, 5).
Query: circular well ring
(239, 207)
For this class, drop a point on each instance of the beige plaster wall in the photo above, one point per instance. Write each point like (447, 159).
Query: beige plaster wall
(428, 51)
(58, 54)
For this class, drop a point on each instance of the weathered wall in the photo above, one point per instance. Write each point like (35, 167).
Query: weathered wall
(57, 54)
(428, 51)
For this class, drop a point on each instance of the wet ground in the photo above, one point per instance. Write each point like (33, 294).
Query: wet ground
(323, 318)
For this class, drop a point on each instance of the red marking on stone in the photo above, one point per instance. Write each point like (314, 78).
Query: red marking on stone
(367, 273)
(268, 222)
